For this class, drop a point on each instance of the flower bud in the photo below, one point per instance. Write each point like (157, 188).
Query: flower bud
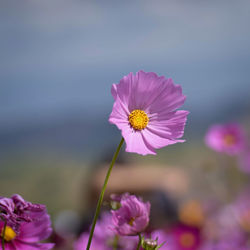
(150, 244)
(115, 205)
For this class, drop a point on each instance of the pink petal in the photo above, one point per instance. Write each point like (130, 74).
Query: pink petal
(21, 245)
(123, 89)
(169, 99)
(36, 230)
(145, 89)
(138, 91)
(156, 141)
(170, 126)
(135, 142)
(9, 246)
(119, 113)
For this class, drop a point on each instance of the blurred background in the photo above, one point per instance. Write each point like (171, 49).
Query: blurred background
(58, 60)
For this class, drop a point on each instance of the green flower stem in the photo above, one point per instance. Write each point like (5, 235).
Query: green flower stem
(3, 234)
(115, 243)
(139, 242)
(98, 207)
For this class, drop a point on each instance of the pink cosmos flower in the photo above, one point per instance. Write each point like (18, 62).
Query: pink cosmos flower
(227, 138)
(27, 224)
(14, 210)
(132, 217)
(145, 111)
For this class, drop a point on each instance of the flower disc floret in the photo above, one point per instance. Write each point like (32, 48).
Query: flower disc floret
(138, 119)
(8, 234)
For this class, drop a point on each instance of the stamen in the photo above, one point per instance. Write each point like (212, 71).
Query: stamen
(138, 119)
(131, 222)
(9, 234)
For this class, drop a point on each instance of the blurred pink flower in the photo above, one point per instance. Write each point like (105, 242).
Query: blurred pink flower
(230, 226)
(227, 244)
(105, 237)
(145, 112)
(227, 234)
(132, 217)
(27, 224)
(180, 237)
(242, 211)
(186, 238)
(227, 138)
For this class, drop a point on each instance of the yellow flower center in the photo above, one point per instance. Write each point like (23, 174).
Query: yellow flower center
(187, 240)
(138, 119)
(9, 234)
(229, 140)
(131, 222)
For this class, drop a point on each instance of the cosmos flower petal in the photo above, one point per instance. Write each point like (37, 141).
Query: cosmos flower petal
(135, 142)
(140, 223)
(120, 123)
(168, 99)
(21, 245)
(119, 110)
(114, 91)
(11, 246)
(156, 141)
(169, 126)
(6, 204)
(146, 87)
(123, 92)
(37, 230)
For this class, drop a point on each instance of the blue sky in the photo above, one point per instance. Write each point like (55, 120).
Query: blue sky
(59, 58)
